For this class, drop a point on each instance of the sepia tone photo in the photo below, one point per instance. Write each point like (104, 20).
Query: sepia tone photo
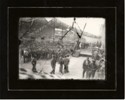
(62, 48)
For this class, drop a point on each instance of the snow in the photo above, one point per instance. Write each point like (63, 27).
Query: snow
(44, 68)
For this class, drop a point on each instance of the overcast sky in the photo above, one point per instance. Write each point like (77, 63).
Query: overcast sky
(94, 26)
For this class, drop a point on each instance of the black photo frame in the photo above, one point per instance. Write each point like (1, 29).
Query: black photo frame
(112, 87)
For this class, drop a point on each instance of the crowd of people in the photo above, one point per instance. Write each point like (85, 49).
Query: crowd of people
(61, 56)
(95, 63)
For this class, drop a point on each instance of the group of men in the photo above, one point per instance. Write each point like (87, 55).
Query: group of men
(63, 61)
(40, 54)
(94, 63)
(60, 56)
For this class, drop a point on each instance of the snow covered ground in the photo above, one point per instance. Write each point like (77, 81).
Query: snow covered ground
(44, 68)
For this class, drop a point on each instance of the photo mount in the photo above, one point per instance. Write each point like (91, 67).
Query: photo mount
(12, 85)
(108, 84)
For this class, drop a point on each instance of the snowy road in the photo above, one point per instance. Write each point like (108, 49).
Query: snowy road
(75, 68)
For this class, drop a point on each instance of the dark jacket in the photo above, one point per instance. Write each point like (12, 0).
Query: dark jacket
(34, 61)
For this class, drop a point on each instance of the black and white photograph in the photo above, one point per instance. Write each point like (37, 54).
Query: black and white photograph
(62, 48)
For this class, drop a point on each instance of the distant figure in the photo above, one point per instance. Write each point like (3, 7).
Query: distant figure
(34, 61)
(95, 54)
(92, 70)
(86, 65)
(61, 62)
(25, 55)
(66, 63)
(53, 63)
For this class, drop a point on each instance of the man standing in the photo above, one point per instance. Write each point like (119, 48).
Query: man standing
(61, 62)
(66, 63)
(53, 63)
(34, 61)
(86, 65)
